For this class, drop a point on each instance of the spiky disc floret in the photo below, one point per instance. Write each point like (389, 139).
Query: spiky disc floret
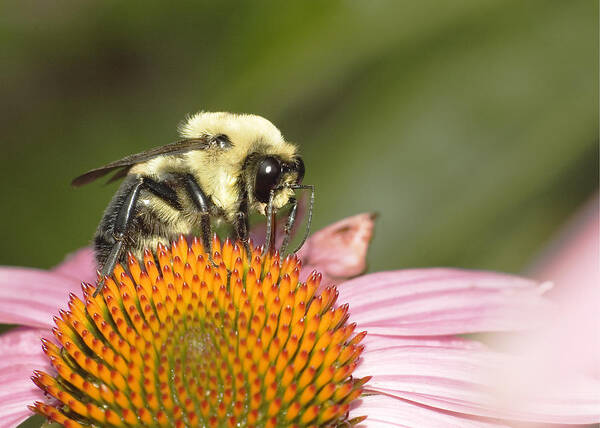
(184, 343)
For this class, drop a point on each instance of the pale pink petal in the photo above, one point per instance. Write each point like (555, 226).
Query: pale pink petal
(458, 378)
(373, 342)
(441, 301)
(79, 265)
(385, 412)
(339, 251)
(31, 296)
(573, 264)
(20, 354)
(572, 260)
(557, 366)
(426, 372)
(555, 358)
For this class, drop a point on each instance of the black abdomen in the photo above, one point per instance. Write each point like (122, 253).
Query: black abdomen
(145, 228)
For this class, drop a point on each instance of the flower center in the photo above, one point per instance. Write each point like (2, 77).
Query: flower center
(183, 342)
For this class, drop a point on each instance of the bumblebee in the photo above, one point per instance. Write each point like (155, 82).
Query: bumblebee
(224, 167)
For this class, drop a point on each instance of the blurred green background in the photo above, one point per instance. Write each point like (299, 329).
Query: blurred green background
(470, 126)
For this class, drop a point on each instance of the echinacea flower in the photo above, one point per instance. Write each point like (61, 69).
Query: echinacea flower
(42, 293)
(183, 343)
(418, 372)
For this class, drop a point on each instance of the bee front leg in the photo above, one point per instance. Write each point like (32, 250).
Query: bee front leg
(289, 225)
(124, 216)
(311, 203)
(271, 214)
(202, 203)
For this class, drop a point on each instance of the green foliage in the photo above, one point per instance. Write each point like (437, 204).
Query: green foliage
(470, 126)
(37, 421)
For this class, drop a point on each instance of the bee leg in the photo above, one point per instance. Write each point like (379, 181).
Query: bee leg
(206, 233)
(271, 226)
(242, 230)
(124, 216)
(289, 225)
(109, 264)
(241, 226)
(311, 204)
(202, 203)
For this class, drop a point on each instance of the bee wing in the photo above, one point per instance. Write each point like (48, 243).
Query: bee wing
(176, 148)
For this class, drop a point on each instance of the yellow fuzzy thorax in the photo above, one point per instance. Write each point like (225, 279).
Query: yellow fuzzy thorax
(218, 171)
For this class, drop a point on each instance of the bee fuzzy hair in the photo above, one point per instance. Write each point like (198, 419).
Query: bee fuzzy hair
(238, 127)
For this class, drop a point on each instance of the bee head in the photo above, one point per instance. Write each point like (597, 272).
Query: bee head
(273, 173)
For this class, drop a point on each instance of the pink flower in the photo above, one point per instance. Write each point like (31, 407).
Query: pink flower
(423, 373)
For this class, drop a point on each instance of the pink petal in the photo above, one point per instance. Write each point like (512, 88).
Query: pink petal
(555, 358)
(20, 354)
(431, 375)
(458, 378)
(385, 411)
(441, 301)
(80, 265)
(339, 251)
(375, 342)
(31, 296)
(572, 264)
(572, 258)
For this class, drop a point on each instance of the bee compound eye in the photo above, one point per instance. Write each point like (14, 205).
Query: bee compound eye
(267, 177)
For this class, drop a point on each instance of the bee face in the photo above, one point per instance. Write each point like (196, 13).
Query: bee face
(273, 173)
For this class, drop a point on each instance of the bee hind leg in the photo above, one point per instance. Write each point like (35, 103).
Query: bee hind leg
(122, 221)
(109, 264)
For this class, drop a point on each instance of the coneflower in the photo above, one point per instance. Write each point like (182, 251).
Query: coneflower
(173, 340)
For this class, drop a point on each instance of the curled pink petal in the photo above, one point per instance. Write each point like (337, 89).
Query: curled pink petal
(339, 251)
(20, 354)
(79, 265)
(31, 296)
(388, 412)
(441, 301)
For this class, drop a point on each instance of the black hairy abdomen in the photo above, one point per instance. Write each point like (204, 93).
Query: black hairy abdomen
(144, 225)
